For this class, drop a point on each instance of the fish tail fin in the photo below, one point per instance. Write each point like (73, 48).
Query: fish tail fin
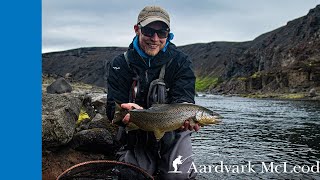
(119, 114)
(118, 107)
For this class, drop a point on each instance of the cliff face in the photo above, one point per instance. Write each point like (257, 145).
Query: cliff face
(285, 59)
(210, 59)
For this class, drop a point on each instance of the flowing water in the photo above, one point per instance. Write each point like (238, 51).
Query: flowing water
(278, 139)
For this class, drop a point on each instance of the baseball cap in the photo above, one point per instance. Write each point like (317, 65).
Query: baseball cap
(151, 14)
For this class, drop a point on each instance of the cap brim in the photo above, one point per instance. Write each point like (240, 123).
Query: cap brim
(153, 19)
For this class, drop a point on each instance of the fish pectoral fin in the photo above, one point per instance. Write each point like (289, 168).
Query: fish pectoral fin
(158, 134)
(131, 126)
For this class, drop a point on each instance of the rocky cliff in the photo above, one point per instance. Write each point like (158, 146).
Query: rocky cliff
(286, 59)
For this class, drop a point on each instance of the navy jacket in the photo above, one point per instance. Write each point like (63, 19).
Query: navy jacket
(179, 77)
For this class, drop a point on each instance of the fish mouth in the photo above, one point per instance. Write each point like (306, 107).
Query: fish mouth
(217, 116)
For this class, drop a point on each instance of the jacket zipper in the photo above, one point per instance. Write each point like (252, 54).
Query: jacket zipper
(147, 79)
(146, 72)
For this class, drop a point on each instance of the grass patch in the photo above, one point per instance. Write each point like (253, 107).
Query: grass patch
(203, 84)
(256, 75)
(242, 78)
(292, 96)
(275, 95)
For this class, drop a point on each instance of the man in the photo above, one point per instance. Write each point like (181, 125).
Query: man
(153, 71)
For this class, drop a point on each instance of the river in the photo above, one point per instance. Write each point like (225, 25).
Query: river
(277, 139)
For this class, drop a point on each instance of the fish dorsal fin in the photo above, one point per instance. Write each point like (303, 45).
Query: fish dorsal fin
(161, 105)
(158, 105)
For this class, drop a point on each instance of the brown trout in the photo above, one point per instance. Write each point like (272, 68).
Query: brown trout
(161, 118)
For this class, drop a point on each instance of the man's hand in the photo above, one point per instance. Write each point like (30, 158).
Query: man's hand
(129, 106)
(187, 126)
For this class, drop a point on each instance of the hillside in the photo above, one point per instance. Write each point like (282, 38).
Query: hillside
(286, 59)
(85, 64)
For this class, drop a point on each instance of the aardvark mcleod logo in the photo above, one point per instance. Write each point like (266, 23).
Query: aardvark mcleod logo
(177, 161)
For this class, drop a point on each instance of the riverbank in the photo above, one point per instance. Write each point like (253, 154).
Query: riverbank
(302, 96)
(282, 96)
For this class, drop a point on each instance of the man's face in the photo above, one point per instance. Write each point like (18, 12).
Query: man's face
(152, 45)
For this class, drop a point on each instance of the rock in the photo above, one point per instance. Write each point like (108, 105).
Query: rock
(59, 116)
(83, 125)
(293, 90)
(87, 105)
(99, 102)
(98, 121)
(317, 98)
(59, 86)
(94, 140)
(312, 92)
(68, 76)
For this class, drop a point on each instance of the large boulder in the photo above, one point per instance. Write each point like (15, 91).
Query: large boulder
(59, 116)
(59, 86)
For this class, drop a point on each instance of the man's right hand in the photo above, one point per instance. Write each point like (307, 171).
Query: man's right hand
(129, 106)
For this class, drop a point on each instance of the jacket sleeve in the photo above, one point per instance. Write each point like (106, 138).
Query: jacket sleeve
(118, 85)
(183, 86)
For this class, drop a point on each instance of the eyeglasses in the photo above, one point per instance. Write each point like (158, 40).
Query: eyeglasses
(147, 31)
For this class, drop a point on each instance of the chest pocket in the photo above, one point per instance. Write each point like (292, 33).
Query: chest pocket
(157, 93)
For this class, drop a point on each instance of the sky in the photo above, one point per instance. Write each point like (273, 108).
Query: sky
(70, 24)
